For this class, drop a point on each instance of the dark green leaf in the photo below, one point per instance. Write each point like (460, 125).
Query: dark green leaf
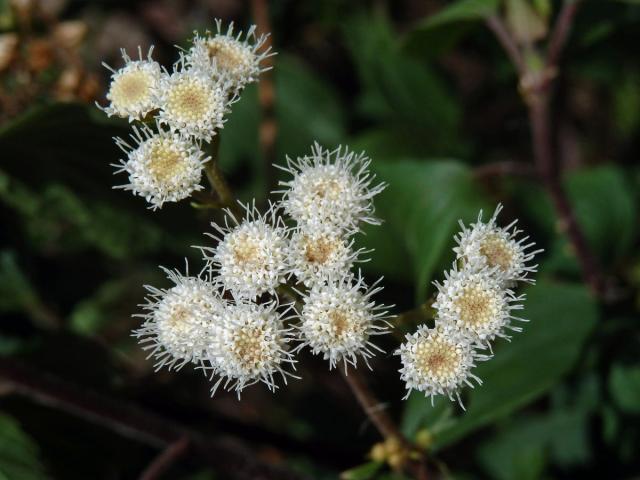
(18, 453)
(362, 472)
(624, 385)
(421, 208)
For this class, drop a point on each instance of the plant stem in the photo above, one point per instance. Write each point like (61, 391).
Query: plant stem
(537, 88)
(374, 409)
(166, 459)
(217, 181)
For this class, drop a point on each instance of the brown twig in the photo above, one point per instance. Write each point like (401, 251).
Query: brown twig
(371, 406)
(266, 94)
(561, 30)
(375, 411)
(167, 457)
(497, 26)
(225, 454)
(537, 87)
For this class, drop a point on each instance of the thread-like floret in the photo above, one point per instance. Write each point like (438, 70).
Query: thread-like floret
(338, 320)
(134, 87)
(438, 361)
(162, 167)
(179, 321)
(330, 189)
(487, 245)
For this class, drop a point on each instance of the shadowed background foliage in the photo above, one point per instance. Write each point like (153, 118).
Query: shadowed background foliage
(427, 91)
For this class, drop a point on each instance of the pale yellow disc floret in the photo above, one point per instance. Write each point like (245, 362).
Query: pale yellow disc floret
(166, 161)
(250, 350)
(131, 88)
(319, 250)
(437, 359)
(498, 251)
(477, 307)
(188, 100)
(231, 56)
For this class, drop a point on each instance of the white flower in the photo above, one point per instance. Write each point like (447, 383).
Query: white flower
(338, 320)
(179, 321)
(192, 102)
(250, 257)
(318, 254)
(250, 346)
(437, 361)
(228, 56)
(133, 88)
(330, 188)
(488, 245)
(475, 303)
(162, 167)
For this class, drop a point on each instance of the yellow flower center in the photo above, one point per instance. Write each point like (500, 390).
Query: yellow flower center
(498, 251)
(230, 55)
(188, 100)
(249, 347)
(130, 88)
(476, 306)
(245, 249)
(437, 358)
(318, 250)
(166, 161)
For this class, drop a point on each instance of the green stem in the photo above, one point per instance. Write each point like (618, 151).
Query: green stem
(216, 179)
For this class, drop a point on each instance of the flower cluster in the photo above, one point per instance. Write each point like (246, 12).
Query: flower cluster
(230, 320)
(474, 305)
(179, 109)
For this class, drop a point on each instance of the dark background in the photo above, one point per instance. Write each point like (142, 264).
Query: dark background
(427, 91)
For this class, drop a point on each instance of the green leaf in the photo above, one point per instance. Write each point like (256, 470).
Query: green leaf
(19, 456)
(561, 318)
(439, 32)
(624, 385)
(421, 208)
(401, 92)
(307, 109)
(365, 471)
(16, 291)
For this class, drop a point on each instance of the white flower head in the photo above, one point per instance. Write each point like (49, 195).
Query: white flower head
(316, 255)
(338, 320)
(488, 245)
(330, 188)
(250, 346)
(476, 304)
(438, 361)
(229, 56)
(133, 88)
(179, 321)
(250, 257)
(162, 166)
(192, 102)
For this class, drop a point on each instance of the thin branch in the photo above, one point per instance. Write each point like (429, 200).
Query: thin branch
(166, 459)
(561, 30)
(225, 454)
(375, 411)
(266, 94)
(500, 30)
(371, 406)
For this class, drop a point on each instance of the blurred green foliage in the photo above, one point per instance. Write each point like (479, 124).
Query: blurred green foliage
(430, 101)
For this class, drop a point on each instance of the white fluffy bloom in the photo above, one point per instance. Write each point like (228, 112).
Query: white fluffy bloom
(476, 304)
(162, 167)
(488, 245)
(227, 56)
(338, 320)
(179, 321)
(316, 255)
(133, 87)
(250, 257)
(250, 346)
(330, 188)
(192, 102)
(438, 361)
